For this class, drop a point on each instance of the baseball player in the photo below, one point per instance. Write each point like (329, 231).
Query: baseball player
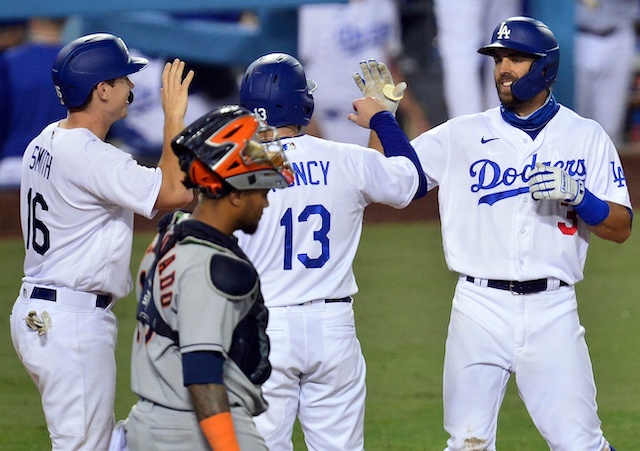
(78, 195)
(336, 34)
(605, 33)
(32, 102)
(521, 189)
(462, 26)
(200, 351)
(304, 250)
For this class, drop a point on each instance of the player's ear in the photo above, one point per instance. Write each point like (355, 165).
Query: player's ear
(236, 197)
(101, 89)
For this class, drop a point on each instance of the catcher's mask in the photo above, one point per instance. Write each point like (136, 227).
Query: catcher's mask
(221, 152)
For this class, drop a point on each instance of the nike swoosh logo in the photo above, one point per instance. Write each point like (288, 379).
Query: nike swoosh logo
(484, 141)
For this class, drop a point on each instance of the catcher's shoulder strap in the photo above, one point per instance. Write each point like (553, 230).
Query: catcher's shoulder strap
(147, 312)
(235, 277)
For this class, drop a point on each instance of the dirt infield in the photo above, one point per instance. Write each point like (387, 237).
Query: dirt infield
(425, 209)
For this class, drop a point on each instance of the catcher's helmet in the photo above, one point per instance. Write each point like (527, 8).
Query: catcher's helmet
(88, 60)
(220, 152)
(534, 38)
(275, 87)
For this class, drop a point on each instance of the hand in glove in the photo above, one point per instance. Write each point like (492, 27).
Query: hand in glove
(376, 81)
(548, 182)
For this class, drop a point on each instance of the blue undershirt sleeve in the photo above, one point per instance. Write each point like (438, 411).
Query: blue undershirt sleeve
(202, 367)
(395, 143)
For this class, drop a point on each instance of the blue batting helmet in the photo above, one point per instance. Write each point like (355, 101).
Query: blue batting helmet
(534, 38)
(89, 60)
(275, 87)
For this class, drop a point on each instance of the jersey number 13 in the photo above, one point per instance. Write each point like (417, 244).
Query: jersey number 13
(320, 235)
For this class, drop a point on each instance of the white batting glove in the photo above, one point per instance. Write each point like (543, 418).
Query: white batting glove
(551, 183)
(376, 81)
(40, 325)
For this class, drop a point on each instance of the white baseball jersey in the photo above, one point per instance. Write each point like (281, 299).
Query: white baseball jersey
(491, 228)
(313, 227)
(77, 199)
(303, 250)
(332, 40)
(78, 196)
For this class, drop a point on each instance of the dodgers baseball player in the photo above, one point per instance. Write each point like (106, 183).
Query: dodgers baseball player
(521, 189)
(200, 351)
(462, 25)
(304, 249)
(605, 33)
(337, 34)
(78, 196)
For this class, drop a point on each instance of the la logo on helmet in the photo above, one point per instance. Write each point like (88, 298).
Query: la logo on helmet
(504, 32)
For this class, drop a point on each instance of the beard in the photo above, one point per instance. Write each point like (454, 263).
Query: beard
(506, 96)
(250, 223)
(249, 229)
(509, 101)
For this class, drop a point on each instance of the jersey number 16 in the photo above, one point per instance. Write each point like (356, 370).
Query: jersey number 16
(34, 225)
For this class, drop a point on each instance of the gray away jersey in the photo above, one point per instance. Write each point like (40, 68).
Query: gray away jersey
(205, 319)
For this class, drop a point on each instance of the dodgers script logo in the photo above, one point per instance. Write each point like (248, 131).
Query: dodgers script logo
(489, 175)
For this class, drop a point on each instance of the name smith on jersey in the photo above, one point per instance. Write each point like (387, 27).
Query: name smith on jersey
(41, 161)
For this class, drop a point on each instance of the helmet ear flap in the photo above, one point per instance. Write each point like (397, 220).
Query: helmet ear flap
(541, 76)
(209, 182)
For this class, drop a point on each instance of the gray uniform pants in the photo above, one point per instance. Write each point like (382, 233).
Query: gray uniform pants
(153, 427)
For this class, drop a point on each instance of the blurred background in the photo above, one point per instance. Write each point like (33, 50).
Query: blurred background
(431, 44)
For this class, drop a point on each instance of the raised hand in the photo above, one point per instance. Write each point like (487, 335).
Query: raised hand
(175, 89)
(376, 81)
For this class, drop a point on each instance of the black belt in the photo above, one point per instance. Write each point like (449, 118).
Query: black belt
(327, 301)
(600, 33)
(347, 299)
(526, 287)
(47, 294)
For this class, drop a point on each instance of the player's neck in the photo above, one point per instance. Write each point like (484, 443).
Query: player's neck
(287, 131)
(83, 119)
(214, 213)
(530, 106)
